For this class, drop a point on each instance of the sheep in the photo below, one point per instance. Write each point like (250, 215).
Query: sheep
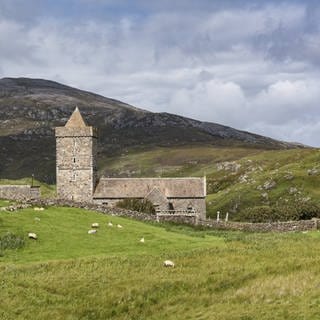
(32, 235)
(119, 226)
(110, 224)
(37, 219)
(92, 231)
(168, 263)
(38, 209)
(142, 240)
(95, 225)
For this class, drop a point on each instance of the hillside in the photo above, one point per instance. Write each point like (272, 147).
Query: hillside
(68, 274)
(237, 178)
(31, 108)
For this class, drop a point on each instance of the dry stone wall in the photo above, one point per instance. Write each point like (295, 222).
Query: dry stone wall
(302, 225)
(19, 192)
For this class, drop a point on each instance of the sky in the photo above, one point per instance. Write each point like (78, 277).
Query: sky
(252, 65)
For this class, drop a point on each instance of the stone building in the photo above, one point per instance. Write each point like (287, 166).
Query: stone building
(76, 147)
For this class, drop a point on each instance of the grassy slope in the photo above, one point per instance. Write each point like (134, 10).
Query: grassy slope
(111, 275)
(63, 234)
(228, 189)
(231, 190)
(178, 161)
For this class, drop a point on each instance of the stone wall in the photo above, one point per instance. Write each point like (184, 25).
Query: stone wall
(19, 192)
(302, 225)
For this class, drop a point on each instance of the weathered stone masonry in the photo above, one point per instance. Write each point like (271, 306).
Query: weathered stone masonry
(19, 192)
(76, 149)
(76, 169)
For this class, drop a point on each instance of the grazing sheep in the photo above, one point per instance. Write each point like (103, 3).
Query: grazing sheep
(168, 263)
(38, 209)
(119, 226)
(110, 224)
(95, 225)
(92, 231)
(37, 219)
(32, 235)
(142, 240)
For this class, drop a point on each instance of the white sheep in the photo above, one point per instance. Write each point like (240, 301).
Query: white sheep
(32, 235)
(119, 226)
(38, 209)
(110, 224)
(95, 225)
(92, 231)
(37, 219)
(142, 240)
(168, 263)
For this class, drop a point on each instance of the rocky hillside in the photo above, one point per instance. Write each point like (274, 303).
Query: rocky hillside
(31, 108)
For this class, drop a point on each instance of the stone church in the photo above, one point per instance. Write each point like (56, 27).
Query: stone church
(77, 179)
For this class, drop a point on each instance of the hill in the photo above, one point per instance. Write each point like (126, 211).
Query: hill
(238, 179)
(31, 108)
(68, 274)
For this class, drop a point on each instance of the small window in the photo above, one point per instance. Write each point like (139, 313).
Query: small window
(171, 206)
(74, 160)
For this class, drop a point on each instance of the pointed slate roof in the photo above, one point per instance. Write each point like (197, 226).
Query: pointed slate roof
(76, 120)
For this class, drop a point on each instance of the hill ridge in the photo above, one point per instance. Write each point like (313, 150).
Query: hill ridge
(31, 108)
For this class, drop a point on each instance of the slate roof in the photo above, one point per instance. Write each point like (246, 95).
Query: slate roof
(76, 120)
(141, 187)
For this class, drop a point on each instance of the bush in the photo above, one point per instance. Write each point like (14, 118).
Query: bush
(257, 214)
(308, 210)
(11, 241)
(140, 205)
(290, 212)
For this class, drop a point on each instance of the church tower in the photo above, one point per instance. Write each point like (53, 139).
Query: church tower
(76, 150)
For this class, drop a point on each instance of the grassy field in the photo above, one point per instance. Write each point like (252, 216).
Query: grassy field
(68, 274)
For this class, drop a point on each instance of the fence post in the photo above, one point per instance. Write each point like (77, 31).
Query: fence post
(315, 223)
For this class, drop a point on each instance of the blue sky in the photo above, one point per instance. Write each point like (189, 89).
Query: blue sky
(253, 65)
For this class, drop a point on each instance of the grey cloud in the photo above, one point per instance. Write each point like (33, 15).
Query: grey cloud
(249, 67)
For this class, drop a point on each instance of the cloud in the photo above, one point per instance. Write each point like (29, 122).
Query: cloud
(247, 64)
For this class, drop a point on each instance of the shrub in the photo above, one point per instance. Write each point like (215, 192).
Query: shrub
(11, 241)
(140, 205)
(308, 210)
(257, 214)
(283, 212)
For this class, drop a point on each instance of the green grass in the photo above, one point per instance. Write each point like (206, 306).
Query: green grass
(289, 169)
(5, 203)
(62, 234)
(68, 274)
